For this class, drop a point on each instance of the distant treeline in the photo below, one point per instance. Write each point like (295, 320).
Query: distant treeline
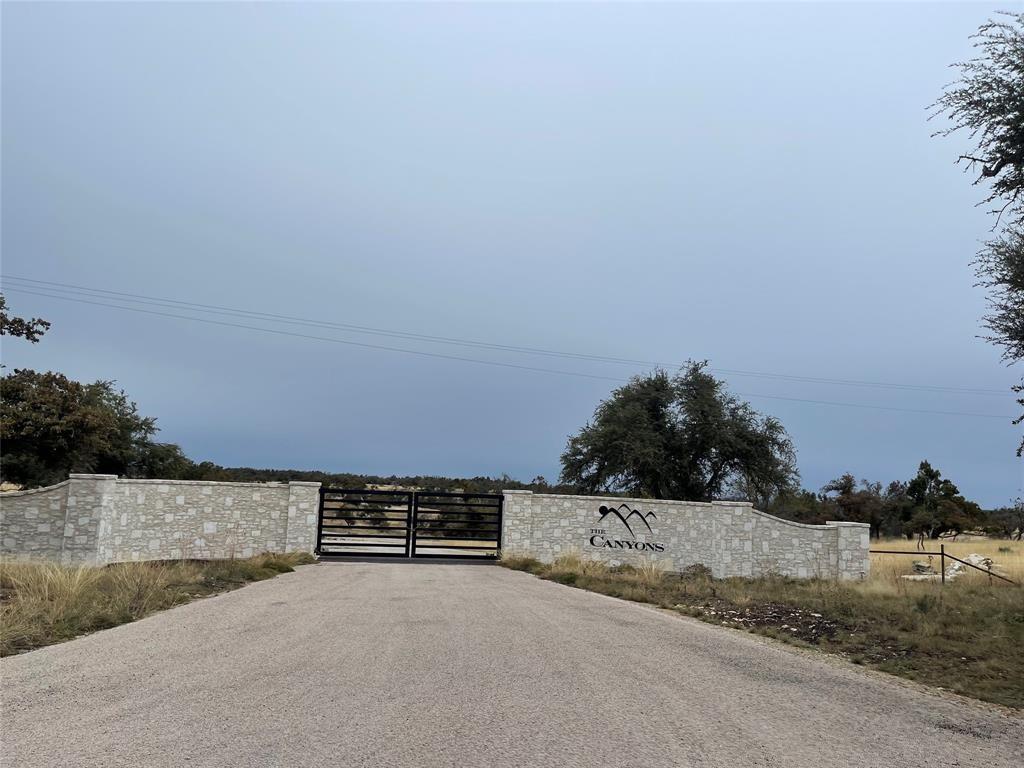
(209, 471)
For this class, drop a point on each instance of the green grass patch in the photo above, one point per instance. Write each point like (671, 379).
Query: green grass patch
(45, 603)
(966, 637)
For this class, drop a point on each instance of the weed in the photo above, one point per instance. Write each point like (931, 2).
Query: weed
(45, 603)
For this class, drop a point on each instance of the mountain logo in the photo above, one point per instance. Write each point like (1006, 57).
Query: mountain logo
(625, 514)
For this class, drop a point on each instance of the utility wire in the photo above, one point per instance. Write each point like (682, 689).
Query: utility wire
(78, 290)
(421, 353)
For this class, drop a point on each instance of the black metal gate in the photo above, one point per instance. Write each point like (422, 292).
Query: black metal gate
(357, 522)
(405, 524)
(456, 525)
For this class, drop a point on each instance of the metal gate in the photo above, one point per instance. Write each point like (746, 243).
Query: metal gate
(357, 522)
(405, 524)
(456, 525)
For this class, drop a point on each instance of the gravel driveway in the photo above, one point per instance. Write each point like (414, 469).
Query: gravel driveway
(419, 664)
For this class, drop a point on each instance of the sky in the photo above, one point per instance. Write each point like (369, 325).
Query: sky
(754, 185)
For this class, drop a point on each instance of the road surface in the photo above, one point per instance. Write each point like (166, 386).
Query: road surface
(389, 665)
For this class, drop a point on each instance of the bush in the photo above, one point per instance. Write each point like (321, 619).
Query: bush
(696, 571)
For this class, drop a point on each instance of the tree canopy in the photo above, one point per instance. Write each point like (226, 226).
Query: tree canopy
(987, 103)
(53, 425)
(928, 505)
(12, 325)
(681, 437)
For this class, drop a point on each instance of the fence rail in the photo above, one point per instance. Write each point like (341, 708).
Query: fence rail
(942, 567)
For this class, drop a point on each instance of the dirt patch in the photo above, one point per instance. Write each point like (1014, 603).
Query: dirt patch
(810, 627)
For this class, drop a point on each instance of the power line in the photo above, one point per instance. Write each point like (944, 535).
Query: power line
(421, 353)
(77, 290)
(321, 338)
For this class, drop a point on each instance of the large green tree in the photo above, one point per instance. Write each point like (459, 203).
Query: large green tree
(936, 507)
(681, 437)
(52, 425)
(987, 103)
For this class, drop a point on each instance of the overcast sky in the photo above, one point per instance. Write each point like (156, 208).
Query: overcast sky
(753, 185)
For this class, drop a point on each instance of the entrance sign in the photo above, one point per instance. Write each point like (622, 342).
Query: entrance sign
(601, 537)
(729, 537)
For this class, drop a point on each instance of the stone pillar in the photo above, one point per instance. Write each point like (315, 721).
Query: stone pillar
(517, 522)
(303, 510)
(88, 519)
(853, 540)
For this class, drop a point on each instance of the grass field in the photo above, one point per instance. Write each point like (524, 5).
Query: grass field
(1007, 555)
(966, 636)
(45, 603)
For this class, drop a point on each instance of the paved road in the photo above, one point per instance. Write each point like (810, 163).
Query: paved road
(390, 665)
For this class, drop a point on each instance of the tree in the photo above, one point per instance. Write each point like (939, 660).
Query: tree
(987, 102)
(897, 508)
(52, 426)
(800, 506)
(1007, 522)
(936, 506)
(858, 505)
(1000, 268)
(680, 437)
(11, 325)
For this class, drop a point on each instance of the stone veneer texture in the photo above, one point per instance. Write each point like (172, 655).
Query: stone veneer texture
(99, 519)
(730, 538)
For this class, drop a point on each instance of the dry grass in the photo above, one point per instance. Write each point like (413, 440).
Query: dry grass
(1007, 555)
(966, 636)
(44, 603)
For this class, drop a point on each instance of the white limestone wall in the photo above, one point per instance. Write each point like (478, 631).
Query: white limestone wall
(98, 519)
(731, 538)
(32, 522)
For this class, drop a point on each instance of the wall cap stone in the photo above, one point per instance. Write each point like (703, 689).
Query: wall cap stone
(307, 483)
(146, 481)
(30, 491)
(637, 500)
(87, 476)
(845, 524)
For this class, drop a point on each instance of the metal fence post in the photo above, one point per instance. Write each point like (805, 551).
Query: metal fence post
(942, 561)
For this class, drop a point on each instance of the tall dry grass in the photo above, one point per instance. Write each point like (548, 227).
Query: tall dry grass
(43, 603)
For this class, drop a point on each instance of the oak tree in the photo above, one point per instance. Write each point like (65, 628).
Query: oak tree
(680, 437)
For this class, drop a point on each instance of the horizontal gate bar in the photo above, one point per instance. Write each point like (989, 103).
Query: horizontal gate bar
(462, 512)
(396, 518)
(457, 520)
(365, 492)
(359, 544)
(397, 502)
(364, 511)
(376, 508)
(427, 504)
(454, 495)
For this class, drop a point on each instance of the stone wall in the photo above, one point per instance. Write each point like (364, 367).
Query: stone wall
(32, 523)
(731, 538)
(99, 519)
